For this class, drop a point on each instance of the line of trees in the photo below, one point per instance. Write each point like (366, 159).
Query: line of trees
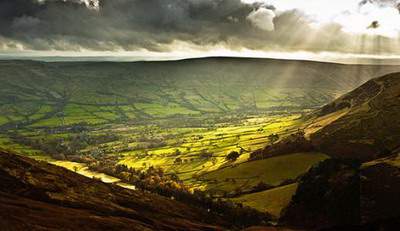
(155, 180)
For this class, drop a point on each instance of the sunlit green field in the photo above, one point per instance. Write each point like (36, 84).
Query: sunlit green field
(272, 171)
(7, 144)
(205, 149)
(271, 201)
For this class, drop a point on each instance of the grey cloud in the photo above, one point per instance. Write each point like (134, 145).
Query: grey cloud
(382, 3)
(153, 24)
(126, 24)
(263, 19)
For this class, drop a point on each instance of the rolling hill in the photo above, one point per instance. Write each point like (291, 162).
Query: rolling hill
(56, 94)
(368, 123)
(362, 124)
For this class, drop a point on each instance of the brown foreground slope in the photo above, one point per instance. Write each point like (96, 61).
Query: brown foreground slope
(39, 196)
(344, 195)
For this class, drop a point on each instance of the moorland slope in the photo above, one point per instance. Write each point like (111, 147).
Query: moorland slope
(363, 124)
(369, 125)
(39, 196)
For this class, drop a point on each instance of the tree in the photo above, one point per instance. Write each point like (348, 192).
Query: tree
(177, 152)
(178, 161)
(204, 154)
(261, 186)
(273, 138)
(233, 156)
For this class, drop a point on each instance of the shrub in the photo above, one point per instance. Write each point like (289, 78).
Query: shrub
(233, 156)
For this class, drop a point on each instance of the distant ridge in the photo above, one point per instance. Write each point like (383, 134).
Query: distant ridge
(128, 59)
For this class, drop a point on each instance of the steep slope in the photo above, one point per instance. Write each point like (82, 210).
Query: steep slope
(39, 196)
(344, 195)
(380, 187)
(363, 124)
(327, 195)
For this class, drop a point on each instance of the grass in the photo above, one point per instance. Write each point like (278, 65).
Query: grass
(164, 110)
(271, 201)
(111, 92)
(7, 144)
(3, 120)
(218, 141)
(272, 171)
(392, 160)
(320, 122)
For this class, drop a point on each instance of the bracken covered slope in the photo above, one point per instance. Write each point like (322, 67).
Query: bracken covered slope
(367, 124)
(363, 124)
(39, 196)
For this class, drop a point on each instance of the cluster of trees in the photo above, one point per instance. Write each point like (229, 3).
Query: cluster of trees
(205, 154)
(74, 128)
(294, 143)
(61, 148)
(157, 181)
(273, 138)
(233, 156)
(144, 143)
(260, 187)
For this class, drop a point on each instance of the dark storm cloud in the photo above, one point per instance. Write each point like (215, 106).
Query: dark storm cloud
(111, 25)
(126, 24)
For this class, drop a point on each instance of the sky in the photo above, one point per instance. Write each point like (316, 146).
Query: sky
(162, 29)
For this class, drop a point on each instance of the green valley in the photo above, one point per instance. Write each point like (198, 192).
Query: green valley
(199, 119)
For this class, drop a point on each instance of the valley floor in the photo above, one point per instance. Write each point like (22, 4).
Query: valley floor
(197, 154)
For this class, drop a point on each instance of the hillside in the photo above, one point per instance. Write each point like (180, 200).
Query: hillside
(344, 195)
(39, 196)
(368, 123)
(362, 124)
(55, 94)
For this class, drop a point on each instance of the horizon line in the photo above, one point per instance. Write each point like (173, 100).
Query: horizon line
(131, 59)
